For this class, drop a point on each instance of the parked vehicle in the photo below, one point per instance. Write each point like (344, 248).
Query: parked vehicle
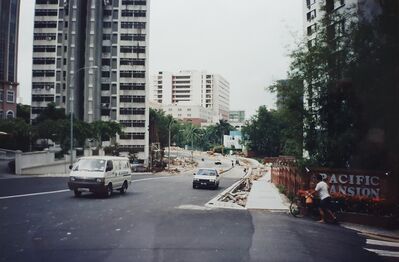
(138, 167)
(218, 162)
(206, 177)
(100, 174)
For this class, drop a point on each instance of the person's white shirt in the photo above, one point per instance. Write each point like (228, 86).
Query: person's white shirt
(322, 189)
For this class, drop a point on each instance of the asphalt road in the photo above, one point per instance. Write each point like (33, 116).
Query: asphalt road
(158, 219)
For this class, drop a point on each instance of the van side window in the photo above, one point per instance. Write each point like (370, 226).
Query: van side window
(110, 166)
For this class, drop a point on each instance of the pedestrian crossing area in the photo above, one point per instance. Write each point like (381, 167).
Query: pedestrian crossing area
(382, 246)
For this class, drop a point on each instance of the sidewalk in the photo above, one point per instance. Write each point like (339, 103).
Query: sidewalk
(264, 195)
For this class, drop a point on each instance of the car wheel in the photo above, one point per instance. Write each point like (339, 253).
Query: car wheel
(194, 186)
(77, 193)
(108, 191)
(124, 188)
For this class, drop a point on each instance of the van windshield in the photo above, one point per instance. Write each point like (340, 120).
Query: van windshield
(94, 165)
(206, 172)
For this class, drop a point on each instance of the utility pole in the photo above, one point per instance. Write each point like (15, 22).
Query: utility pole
(169, 126)
(169, 145)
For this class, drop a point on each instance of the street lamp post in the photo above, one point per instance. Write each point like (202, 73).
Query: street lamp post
(169, 125)
(71, 98)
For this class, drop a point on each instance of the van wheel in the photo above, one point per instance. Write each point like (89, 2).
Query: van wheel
(123, 188)
(108, 191)
(77, 193)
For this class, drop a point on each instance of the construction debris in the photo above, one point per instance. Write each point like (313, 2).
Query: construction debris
(240, 194)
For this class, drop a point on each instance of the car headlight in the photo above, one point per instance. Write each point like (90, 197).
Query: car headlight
(99, 180)
(211, 180)
(72, 178)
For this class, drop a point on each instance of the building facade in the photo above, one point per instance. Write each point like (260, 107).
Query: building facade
(195, 88)
(233, 140)
(9, 21)
(197, 115)
(237, 116)
(90, 57)
(314, 11)
(237, 119)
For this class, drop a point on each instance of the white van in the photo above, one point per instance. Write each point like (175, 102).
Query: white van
(100, 174)
(208, 177)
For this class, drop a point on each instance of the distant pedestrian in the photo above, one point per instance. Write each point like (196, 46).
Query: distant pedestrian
(232, 163)
(325, 199)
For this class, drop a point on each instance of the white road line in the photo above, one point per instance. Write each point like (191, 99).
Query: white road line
(152, 178)
(382, 243)
(384, 252)
(35, 194)
(66, 190)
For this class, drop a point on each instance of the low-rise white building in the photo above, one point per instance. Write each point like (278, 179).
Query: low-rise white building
(194, 114)
(233, 140)
(193, 88)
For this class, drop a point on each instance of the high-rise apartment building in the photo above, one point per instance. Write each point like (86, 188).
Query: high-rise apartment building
(314, 10)
(9, 20)
(195, 88)
(91, 57)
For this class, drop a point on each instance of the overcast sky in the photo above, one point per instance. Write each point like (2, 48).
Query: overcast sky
(246, 42)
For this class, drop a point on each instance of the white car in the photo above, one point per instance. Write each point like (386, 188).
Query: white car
(206, 177)
(100, 174)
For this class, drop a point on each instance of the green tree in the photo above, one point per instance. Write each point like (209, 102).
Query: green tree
(159, 127)
(23, 111)
(223, 128)
(290, 112)
(15, 134)
(51, 112)
(262, 133)
(104, 131)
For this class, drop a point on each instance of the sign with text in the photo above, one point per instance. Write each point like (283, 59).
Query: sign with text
(353, 182)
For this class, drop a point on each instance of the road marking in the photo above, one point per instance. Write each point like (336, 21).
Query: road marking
(152, 178)
(193, 207)
(35, 194)
(381, 243)
(66, 190)
(384, 252)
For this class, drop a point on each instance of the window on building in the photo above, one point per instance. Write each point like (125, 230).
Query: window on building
(311, 29)
(1, 114)
(309, 3)
(10, 97)
(1, 95)
(10, 115)
(311, 15)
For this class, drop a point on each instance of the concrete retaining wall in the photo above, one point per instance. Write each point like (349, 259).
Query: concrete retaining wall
(6, 154)
(41, 163)
(57, 167)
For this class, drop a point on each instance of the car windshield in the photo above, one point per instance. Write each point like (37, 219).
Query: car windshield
(90, 165)
(206, 172)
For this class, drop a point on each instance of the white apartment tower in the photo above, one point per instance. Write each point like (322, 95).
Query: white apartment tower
(93, 54)
(314, 10)
(194, 88)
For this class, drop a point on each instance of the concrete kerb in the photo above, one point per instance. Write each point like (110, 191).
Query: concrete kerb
(216, 203)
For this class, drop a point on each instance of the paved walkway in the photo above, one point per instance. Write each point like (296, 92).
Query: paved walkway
(264, 195)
